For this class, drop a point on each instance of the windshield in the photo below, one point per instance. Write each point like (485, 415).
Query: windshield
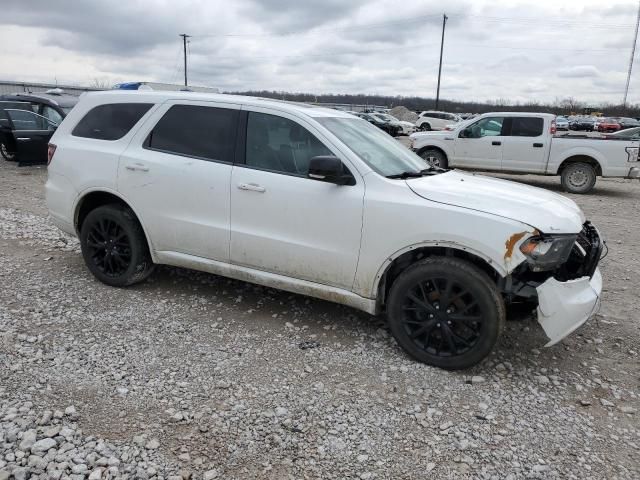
(376, 148)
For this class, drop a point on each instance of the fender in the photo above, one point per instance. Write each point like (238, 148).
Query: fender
(87, 191)
(499, 266)
(584, 151)
(442, 142)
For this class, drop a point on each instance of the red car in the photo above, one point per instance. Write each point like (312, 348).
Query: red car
(608, 125)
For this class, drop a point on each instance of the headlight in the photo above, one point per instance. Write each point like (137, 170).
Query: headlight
(546, 252)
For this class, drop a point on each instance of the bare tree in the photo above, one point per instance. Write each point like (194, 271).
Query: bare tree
(101, 83)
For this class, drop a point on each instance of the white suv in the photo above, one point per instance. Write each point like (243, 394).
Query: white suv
(436, 120)
(317, 202)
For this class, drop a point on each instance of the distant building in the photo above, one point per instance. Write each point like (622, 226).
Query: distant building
(7, 87)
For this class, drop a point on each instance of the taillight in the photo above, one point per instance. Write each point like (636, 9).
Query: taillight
(552, 129)
(50, 151)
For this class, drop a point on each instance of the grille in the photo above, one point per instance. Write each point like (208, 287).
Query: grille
(591, 244)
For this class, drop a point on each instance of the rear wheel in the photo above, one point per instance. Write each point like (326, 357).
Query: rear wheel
(578, 178)
(445, 312)
(434, 157)
(425, 127)
(114, 246)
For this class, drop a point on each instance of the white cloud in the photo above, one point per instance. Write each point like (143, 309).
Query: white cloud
(519, 49)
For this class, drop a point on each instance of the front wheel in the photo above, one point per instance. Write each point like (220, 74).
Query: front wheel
(7, 154)
(445, 312)
(433, 157)
(578, 178)
(114, 246)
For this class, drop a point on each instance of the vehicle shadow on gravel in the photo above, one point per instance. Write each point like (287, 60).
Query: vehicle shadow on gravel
(346, 326)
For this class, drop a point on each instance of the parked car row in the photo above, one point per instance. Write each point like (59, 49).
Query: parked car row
(602, 124)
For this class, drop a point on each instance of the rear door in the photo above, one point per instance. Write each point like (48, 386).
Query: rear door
(31, 134)
(176, 174)
(526, 148)
(479, 145)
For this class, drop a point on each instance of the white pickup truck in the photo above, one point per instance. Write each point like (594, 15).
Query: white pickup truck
(527, 143)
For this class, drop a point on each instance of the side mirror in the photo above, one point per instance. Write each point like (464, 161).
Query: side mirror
(327, 168)
(464, 133)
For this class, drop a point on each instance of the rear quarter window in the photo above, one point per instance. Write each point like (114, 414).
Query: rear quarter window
(110, 121)
(527, 127)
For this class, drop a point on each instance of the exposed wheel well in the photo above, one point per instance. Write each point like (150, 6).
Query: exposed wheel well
(408, 258)
(583, 159)
(93, 200)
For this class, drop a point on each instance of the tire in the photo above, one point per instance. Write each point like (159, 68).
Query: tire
(114, 246)
(445, 340)
(6, 154)
(425, 127)
(578, 177)
(434, 157)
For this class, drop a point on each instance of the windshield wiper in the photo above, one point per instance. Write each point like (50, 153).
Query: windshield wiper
(410, 174)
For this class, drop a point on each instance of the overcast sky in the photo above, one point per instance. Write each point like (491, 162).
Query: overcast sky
(517, 50)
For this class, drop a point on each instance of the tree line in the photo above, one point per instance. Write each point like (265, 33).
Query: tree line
(560, 106)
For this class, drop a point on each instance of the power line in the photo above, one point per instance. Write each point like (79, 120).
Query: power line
(633, 52)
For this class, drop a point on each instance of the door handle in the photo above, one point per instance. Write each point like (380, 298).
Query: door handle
(252, 187)
(23, 139)
(495, 142)
(137, 167)
(538, 145)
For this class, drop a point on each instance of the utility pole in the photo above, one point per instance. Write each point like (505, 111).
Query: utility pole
(633, 52)
(444, 24)
(184, 46)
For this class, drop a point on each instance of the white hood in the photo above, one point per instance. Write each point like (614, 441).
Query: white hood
(541, 209)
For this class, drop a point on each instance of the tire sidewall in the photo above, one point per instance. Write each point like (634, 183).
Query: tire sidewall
(477, 282)
(140, 261)
(442, 159)
(569, 169)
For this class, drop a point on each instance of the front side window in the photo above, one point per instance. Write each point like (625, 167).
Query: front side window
(110, 121)
(281, 145)
(527, 127)
(28, 120)
(487, 127)
(196, 131)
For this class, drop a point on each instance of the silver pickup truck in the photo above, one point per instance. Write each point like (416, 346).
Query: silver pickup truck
(527, 143)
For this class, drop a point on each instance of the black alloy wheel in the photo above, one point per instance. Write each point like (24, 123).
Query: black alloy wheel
(109, 247)
(446, 312)
(114, 246)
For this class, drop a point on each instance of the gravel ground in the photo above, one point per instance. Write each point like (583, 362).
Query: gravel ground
(195, 376)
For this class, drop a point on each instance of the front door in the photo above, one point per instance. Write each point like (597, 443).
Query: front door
(284, 222)
(30, 133)
(479, 145)
(526, 149)
(176, 172)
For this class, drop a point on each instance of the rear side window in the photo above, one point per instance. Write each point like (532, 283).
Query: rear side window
(527, 127)
(111, 121)
(196, 131)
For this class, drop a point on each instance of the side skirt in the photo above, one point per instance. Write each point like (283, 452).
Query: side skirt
(267, 279)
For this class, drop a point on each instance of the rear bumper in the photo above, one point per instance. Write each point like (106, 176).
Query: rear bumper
(565, 306)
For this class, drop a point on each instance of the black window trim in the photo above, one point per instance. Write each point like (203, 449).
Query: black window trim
(242, 142)
(132, 129)
(147, 138)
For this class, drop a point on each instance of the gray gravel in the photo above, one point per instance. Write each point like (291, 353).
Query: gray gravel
(195, 376)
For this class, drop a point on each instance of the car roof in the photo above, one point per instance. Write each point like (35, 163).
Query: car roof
(61, 100)
(124, 96)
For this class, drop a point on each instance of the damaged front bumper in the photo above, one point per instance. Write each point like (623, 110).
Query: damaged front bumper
(564, 306)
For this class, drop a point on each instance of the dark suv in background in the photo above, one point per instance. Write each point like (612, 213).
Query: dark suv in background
(27, 121)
